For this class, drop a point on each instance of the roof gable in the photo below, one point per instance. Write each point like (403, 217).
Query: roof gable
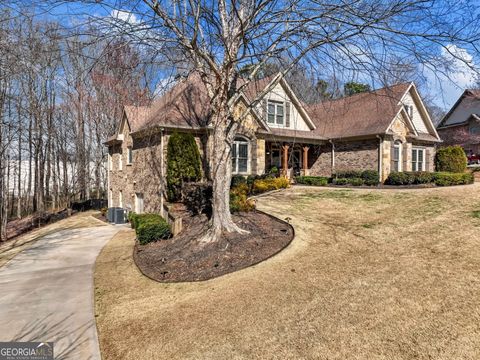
(419, 119)
(468, 103)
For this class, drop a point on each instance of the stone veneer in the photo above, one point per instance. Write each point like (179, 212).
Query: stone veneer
(356, 155)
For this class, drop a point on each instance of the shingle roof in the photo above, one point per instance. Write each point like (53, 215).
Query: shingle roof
(358, 115)
(186, 105)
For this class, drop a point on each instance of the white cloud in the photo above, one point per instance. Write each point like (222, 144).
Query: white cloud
(459, 74)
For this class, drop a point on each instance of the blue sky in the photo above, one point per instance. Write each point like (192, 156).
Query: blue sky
(443, 90)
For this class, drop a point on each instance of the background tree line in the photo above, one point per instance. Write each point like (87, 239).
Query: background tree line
(61, 95)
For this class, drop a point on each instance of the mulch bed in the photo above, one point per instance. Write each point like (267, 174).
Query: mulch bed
(183, 258)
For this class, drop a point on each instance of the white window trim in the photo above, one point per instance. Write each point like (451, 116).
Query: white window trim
(276, 103)
(120, 198)
(399, 145)
(120, 161)
(109, 162)
(137, 210)
(423, 157)
(129, 153)
(249, 151)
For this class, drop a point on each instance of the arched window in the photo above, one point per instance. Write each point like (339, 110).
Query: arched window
(397, 156)
(240, 156)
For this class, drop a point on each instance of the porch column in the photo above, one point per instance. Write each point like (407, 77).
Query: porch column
(285, 160)
(305, 169)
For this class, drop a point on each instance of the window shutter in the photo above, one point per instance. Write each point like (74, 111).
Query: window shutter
(392, 152)
(427, 159)
(404, 157)
(287, 114)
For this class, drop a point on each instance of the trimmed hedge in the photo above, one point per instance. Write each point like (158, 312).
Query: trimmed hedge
(354, 181)
(437, 178)
(340, 181)
(150, 227)
(451, 159)
(368, 177)
(449, 179)
(183, 163)
(312, 180)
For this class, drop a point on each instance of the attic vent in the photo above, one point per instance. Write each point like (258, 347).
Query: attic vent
(409, 110)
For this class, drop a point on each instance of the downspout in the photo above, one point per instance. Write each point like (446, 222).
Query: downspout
(109, 200)
(380, 158)
(333, 156)
(162, 180)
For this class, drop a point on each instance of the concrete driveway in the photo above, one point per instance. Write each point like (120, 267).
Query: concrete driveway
(47, 292)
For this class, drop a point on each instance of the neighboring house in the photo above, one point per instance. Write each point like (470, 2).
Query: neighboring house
(461, 125)
(385, 130)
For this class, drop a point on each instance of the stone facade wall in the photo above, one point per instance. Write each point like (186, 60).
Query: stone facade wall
(406, 156)
(356, 155)
(146, 176)
(320, 160)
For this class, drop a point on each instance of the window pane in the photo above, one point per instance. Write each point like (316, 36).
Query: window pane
(243, 150)
(234, 150)
(395, 165)
(396, 153)
(271, 118)
(280, 109)
(242, 165)
(419, 166)
(271, 108)
(414, 155)
(280, 119)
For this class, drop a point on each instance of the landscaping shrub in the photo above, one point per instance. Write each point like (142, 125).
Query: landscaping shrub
(451, 159)
(340, 181)
(356, 181)
(422, 177)
(348, 174)
(312, 180)
(399, 178)
(370, 177)
(183, 163)
(263, 185)
(151, 227)
(132, 219)
(239, 200)
(197, 197)
(274, 171)
(237, 179)
(449, 179)
(438, 178)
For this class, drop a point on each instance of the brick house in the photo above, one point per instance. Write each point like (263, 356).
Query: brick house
(461, 125)
(386, 130)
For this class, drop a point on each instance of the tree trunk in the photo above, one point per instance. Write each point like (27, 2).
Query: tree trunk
(220, 158)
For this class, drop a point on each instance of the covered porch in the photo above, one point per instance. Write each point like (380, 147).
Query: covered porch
(295, 158)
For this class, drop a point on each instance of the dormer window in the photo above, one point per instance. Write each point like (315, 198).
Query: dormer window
(276, 112)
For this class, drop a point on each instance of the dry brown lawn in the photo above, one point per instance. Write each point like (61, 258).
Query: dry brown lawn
(371, 274)
(10, 248)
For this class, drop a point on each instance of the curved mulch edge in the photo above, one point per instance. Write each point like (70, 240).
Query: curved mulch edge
(228, 273)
